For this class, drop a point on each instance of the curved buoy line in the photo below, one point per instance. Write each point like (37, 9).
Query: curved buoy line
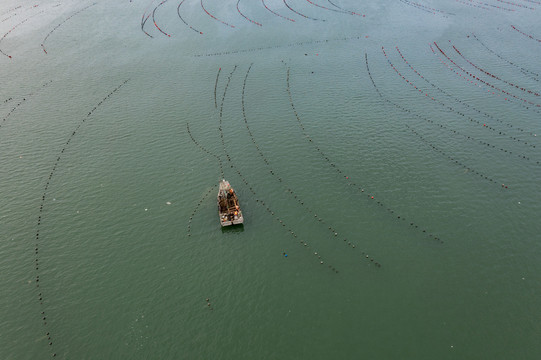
(282, 223)
(423, 8)
(532, 75)
(245, 181)
(5, 118)
(13, 28)
(57, 26)
(523, 33)
(441, 126)
(202, 148)
(329, 9)
(223, 100)
(334, 233)
(435, 123)
(515, 4)
(247, 18)
(482, 5)
(201, 201)
(143, 22)
(301, 14)
(11, 10)
(447, 107)
(146, 15)
(221, 113)
(144, 18)
(215, 86)
(431, 8)
(371, 197)
(473, 5)
(246, 121)
(338, 7)
(482, 81)
(333, 4)
(496, 6)
(9, 17)
(40, 293)
(184, 21)
(214, 17)
(487, 115)
(154, 19)
(494, 76)
(275, 13)
(467, 169)
(426, 8)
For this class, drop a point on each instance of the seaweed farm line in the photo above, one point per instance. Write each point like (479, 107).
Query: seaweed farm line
(283, 179)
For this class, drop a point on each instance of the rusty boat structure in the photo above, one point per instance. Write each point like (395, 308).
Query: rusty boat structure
(228, 205)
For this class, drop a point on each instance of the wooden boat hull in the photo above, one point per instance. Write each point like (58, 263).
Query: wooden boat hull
(239, 221)
(228, 206)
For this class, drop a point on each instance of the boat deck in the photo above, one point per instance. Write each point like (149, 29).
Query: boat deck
(228, 205)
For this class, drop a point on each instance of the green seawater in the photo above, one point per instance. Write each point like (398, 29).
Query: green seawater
(403, 187)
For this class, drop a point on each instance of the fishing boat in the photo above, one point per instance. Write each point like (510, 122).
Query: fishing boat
(228, 205)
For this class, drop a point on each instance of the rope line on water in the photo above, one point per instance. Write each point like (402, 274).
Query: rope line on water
(9, 17)
(203, 198)
(474, 80)
(13, 28)
(453, 159)
(301, 14)
(515, 4)
(428, 8)
(57, 26)
(313, 214)
(480, 112)
(143, 22)
(184, 21)
(220, 163)
(11, 10)
(21, 102)
(500, 7)
(334, 10)
(494, 6)
(246, 17)
(154, 19)
(262, 203)
(527, 35)
(442, 126)
(432, 98)
(275, 13)
(494, 76)
(371, 197)
(532, 75)
(214, 17)
(473, 5)
(338, 7)
(215, 86)
(40, 293)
